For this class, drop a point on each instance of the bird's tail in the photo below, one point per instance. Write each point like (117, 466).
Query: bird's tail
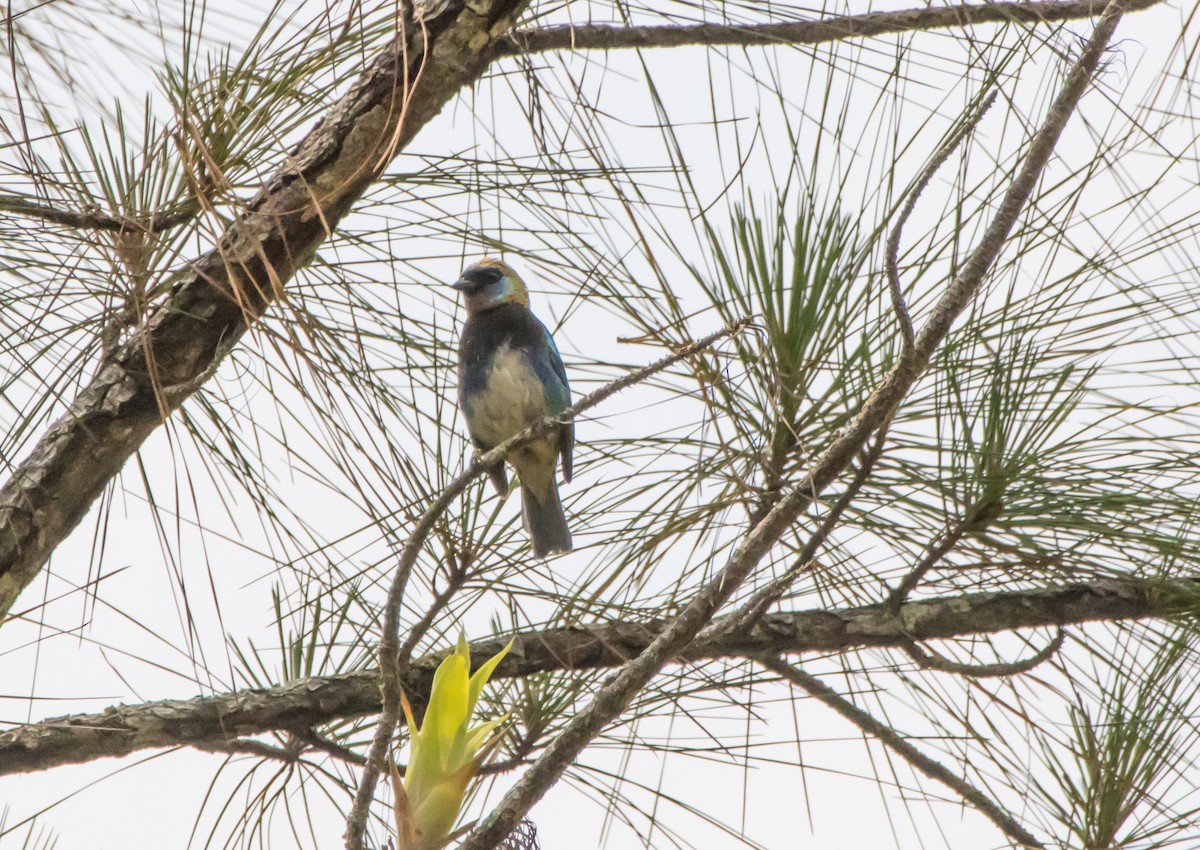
(545, 522)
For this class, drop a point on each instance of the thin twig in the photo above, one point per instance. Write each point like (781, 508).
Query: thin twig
(455, 581)
(892, 252)
(315, 741)
(150, 223)
(301, 740)
(977, 518)
(237, 746)
(933, 556)
(930, 660)
(613, 37)
(391, 663)
(893, 741)
(614, 695)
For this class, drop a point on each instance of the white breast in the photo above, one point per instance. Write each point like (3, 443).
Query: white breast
(511, 401)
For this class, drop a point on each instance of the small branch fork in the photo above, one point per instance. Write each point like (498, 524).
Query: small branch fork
(752, 610)
(897, 744)
(616, 692)
(392, 663)
(300, 741)
(933, 556)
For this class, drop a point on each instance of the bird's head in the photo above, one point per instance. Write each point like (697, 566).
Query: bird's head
(490, 283)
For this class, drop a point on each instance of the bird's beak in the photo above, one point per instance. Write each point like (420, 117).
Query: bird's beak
(462, 284)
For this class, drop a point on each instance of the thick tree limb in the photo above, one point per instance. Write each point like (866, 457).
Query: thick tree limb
(306, 703)
(225, 290)
(613, 37)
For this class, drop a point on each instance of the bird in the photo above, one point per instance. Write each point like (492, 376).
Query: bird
(511, 375)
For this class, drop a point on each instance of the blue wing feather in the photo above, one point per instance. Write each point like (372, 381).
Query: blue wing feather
(558, 400)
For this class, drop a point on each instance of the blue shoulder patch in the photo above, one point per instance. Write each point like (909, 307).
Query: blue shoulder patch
(549, 367)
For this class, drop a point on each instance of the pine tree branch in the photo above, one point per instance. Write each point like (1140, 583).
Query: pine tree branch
(87, 220)
(220, 294)
(615, 37)
(752, 610)
(306, 703)
(612, 697)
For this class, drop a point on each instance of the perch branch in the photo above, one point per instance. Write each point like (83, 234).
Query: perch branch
(317, 700)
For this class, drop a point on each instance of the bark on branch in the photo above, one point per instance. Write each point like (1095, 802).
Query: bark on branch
(614, 37)
(306, 703)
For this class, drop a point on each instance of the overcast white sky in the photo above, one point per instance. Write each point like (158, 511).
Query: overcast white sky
(163, 636)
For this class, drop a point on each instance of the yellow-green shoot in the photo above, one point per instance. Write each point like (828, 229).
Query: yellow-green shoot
(446, 752)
